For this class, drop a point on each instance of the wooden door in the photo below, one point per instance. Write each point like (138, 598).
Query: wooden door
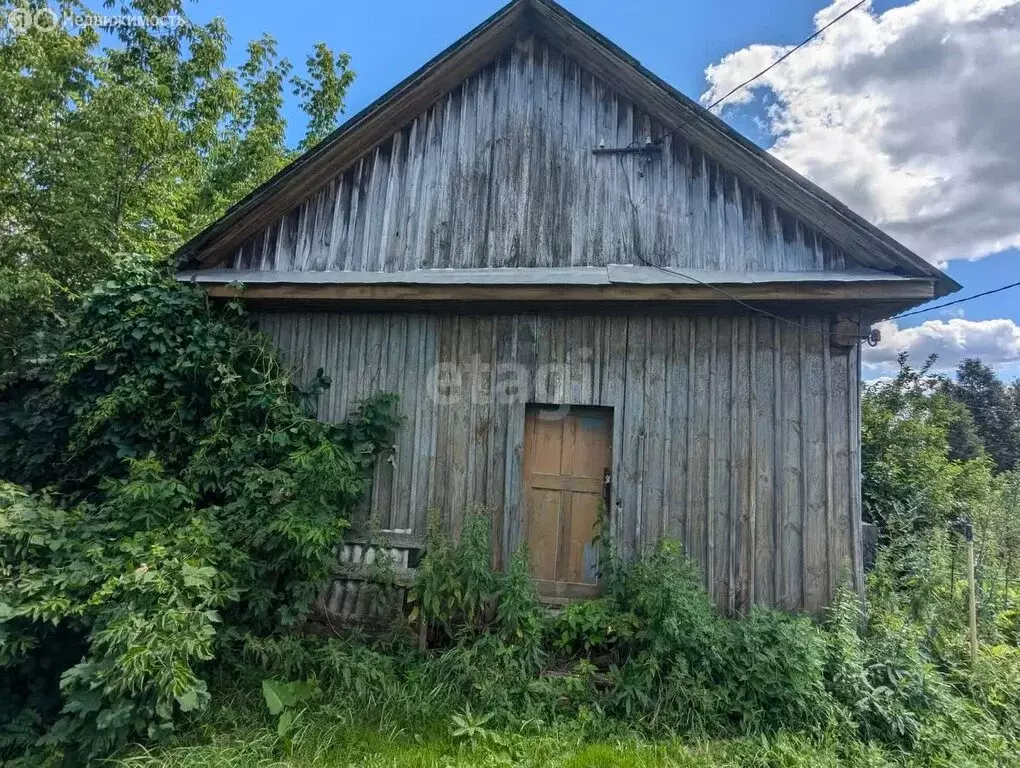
(567, 456)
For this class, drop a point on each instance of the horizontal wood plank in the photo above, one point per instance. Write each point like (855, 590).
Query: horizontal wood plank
(783, 292)
(566, 483)
(386, 539)
(550, 591)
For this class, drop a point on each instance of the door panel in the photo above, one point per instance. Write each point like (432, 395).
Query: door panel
(543, 533)
(566, 456)
(578, 560)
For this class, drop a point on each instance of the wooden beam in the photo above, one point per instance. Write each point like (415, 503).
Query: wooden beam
(560, 593)
(913, 290)
(385, 539)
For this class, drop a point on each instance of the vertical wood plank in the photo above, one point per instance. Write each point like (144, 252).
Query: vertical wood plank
(700, 453)
(767, 451)
(791, 591)
(734, 507)
(513, 521)
(854, 431)
(841, 565)
(634, 434)
(658, 342)
(711, 517)
(441, 495)
(813, 431)
(502, 343)
(614, 395)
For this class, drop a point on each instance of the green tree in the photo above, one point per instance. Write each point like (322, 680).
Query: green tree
(964, 441)
(911, 481)
(323, 92)
(994, 411)
(129, 141)
(1014, 394)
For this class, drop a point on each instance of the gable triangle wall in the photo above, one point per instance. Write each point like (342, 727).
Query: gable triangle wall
(500, 172)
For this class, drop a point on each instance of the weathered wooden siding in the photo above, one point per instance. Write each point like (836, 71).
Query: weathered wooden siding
(500, 173)
(736, 434)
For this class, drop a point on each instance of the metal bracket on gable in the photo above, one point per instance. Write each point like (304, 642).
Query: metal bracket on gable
(647, 149)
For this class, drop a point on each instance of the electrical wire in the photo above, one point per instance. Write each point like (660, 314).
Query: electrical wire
(786, 55)
(957, 301)
(741, 302)
(771, 66)
(726, 293)
(722, 291)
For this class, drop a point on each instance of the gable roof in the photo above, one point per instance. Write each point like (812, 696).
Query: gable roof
(866, 243)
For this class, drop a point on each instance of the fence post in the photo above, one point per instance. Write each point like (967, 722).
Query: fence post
(964, 527)
(973, 597)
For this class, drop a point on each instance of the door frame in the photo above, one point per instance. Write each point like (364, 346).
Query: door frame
(552, 591)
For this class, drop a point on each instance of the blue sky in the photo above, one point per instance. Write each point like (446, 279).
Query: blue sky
(676, 40)
(388, 41)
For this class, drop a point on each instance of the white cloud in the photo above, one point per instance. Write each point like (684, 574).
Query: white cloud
(911, 117)
(996, 342)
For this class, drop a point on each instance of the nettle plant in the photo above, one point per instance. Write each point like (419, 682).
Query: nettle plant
(169, 491)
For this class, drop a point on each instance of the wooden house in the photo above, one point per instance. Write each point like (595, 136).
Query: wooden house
(584, 288)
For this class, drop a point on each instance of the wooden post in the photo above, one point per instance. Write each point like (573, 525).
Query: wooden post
(964, 527)
(973, 598)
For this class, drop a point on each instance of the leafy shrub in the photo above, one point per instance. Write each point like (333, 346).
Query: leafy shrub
(1008, 625)
(456, 587)
(995, 685)
(591, 627)
(666, 593)
(146, 595)
(287, 700)
(668, 658)
(851, 692)
(518, 615)
(193, 499)
(690, 668)
(469, 727)
(908, 694)
(774, 673)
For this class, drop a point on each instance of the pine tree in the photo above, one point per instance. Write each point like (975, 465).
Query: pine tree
(994, 409)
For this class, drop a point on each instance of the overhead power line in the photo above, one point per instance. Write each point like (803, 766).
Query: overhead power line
(731, 297)
(958, 301)
(785, 56)
(679, 126)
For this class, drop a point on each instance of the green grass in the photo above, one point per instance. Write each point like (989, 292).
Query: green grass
(321, 743)
(336, 732)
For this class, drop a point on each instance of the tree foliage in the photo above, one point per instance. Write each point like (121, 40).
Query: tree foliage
(129, 139)
(911, 482)
(165, 487)
(172, 490)
(993, 410)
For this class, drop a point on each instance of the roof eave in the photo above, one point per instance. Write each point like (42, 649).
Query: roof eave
(486, 42)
